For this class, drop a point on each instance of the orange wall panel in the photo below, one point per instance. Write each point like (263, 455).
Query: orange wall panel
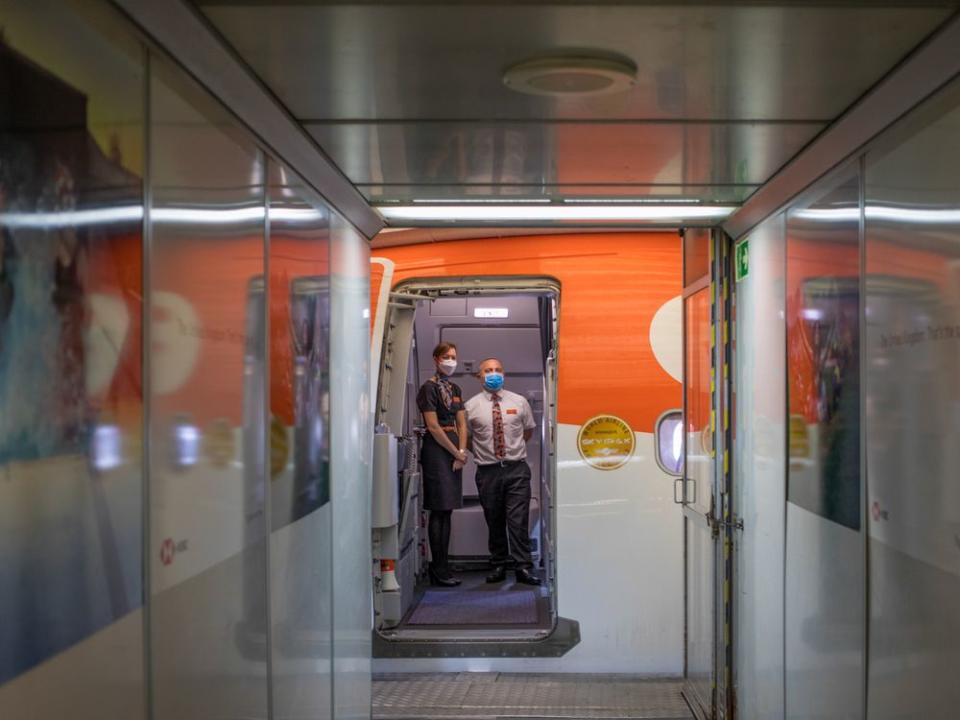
(612, 284)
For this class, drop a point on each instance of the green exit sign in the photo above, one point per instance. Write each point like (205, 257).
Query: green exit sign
(741, 260)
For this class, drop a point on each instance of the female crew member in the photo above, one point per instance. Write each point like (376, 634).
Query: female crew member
(442, 457)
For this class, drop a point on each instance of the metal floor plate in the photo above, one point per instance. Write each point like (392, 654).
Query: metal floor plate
(508, 696)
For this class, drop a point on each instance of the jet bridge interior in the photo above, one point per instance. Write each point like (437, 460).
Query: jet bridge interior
(209, 494)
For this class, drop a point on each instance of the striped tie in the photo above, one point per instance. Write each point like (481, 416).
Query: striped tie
(499, 442)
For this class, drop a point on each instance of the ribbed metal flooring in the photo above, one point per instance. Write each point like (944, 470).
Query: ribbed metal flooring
(505, 696)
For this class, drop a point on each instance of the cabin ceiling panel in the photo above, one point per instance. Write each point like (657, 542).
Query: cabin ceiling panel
(445, 61)
(408, 99)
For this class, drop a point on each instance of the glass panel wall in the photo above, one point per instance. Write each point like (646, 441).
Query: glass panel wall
(824, 604)
(301, 570)
(912, 347)
(696, 255)
(699, 468)
(123, 229)
(698, 441)
(760, 473)
(351, 451)
(71, 194)
(206, 408)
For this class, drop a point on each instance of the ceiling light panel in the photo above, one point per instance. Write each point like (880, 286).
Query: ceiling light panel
(580, 213)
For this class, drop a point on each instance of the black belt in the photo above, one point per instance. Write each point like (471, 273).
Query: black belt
(504, 463)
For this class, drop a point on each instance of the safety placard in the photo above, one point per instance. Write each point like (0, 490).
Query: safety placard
(741, 260)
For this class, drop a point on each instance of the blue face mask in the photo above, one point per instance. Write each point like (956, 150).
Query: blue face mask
(493, 381)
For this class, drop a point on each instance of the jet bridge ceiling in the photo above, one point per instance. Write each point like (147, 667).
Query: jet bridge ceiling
(408, 99)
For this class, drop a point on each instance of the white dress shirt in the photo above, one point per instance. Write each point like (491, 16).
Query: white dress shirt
(517, 417)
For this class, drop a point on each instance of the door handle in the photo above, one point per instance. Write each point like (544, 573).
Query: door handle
(680, 492)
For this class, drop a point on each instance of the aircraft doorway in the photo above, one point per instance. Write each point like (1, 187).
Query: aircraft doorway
(516, 321)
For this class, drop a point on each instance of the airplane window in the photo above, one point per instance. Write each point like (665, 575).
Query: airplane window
(669, 442)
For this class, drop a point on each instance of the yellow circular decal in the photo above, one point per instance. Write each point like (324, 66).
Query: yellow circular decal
(279, 447)
(219, 442)
(605, 442)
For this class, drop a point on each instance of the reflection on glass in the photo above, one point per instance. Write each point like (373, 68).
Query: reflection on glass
(184, 443)
(310, 333)
(207, 514)
(696, 255)
(105, 450)
(699, 470)
(823, 600)
(351, 447)
(912, 379)
(299, 353)
(301, 521)
(823, 356)
(71, 130)
(699, 434)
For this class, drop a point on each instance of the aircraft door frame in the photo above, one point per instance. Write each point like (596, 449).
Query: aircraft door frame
(705, 495)
(428, 289)
(395, 505)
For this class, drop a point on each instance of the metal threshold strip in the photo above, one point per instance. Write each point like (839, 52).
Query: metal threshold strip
(489, 695)
(480, 643)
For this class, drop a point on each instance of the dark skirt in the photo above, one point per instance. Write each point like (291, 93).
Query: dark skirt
(442, 486)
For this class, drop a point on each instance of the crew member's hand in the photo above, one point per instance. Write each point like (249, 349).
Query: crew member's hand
(458, 465)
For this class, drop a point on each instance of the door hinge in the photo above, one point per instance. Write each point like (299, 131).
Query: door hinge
(717, 525)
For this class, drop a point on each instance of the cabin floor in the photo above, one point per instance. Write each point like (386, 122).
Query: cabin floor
(509, 605)
(509, 696)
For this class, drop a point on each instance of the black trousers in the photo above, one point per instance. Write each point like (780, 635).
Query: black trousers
(505, 497)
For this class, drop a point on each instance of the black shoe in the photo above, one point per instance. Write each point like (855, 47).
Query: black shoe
(498, 575)
(526, 577)
(443, 580)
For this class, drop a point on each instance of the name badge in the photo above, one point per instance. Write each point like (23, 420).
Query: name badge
(511, 411)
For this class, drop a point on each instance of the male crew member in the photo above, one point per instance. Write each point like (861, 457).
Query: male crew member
(500, 424)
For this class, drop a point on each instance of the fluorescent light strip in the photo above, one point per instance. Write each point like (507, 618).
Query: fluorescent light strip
(483, 201)
(635, 201)
(916, 216)
(166, 215)
(71, 218)
(516, 213)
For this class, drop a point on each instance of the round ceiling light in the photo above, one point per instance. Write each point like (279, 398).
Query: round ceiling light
(571, 76)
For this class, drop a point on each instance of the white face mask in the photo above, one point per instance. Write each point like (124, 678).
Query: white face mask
(447, 367)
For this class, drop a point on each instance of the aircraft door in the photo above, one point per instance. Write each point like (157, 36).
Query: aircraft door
(702, 489)
(548, 527)
(396, 479)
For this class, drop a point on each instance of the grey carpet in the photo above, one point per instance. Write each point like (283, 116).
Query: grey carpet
(476, 607)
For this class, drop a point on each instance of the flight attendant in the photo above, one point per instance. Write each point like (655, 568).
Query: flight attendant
(501, 422)
(442, 457)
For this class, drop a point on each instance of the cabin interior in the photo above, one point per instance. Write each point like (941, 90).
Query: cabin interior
(520, 330)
